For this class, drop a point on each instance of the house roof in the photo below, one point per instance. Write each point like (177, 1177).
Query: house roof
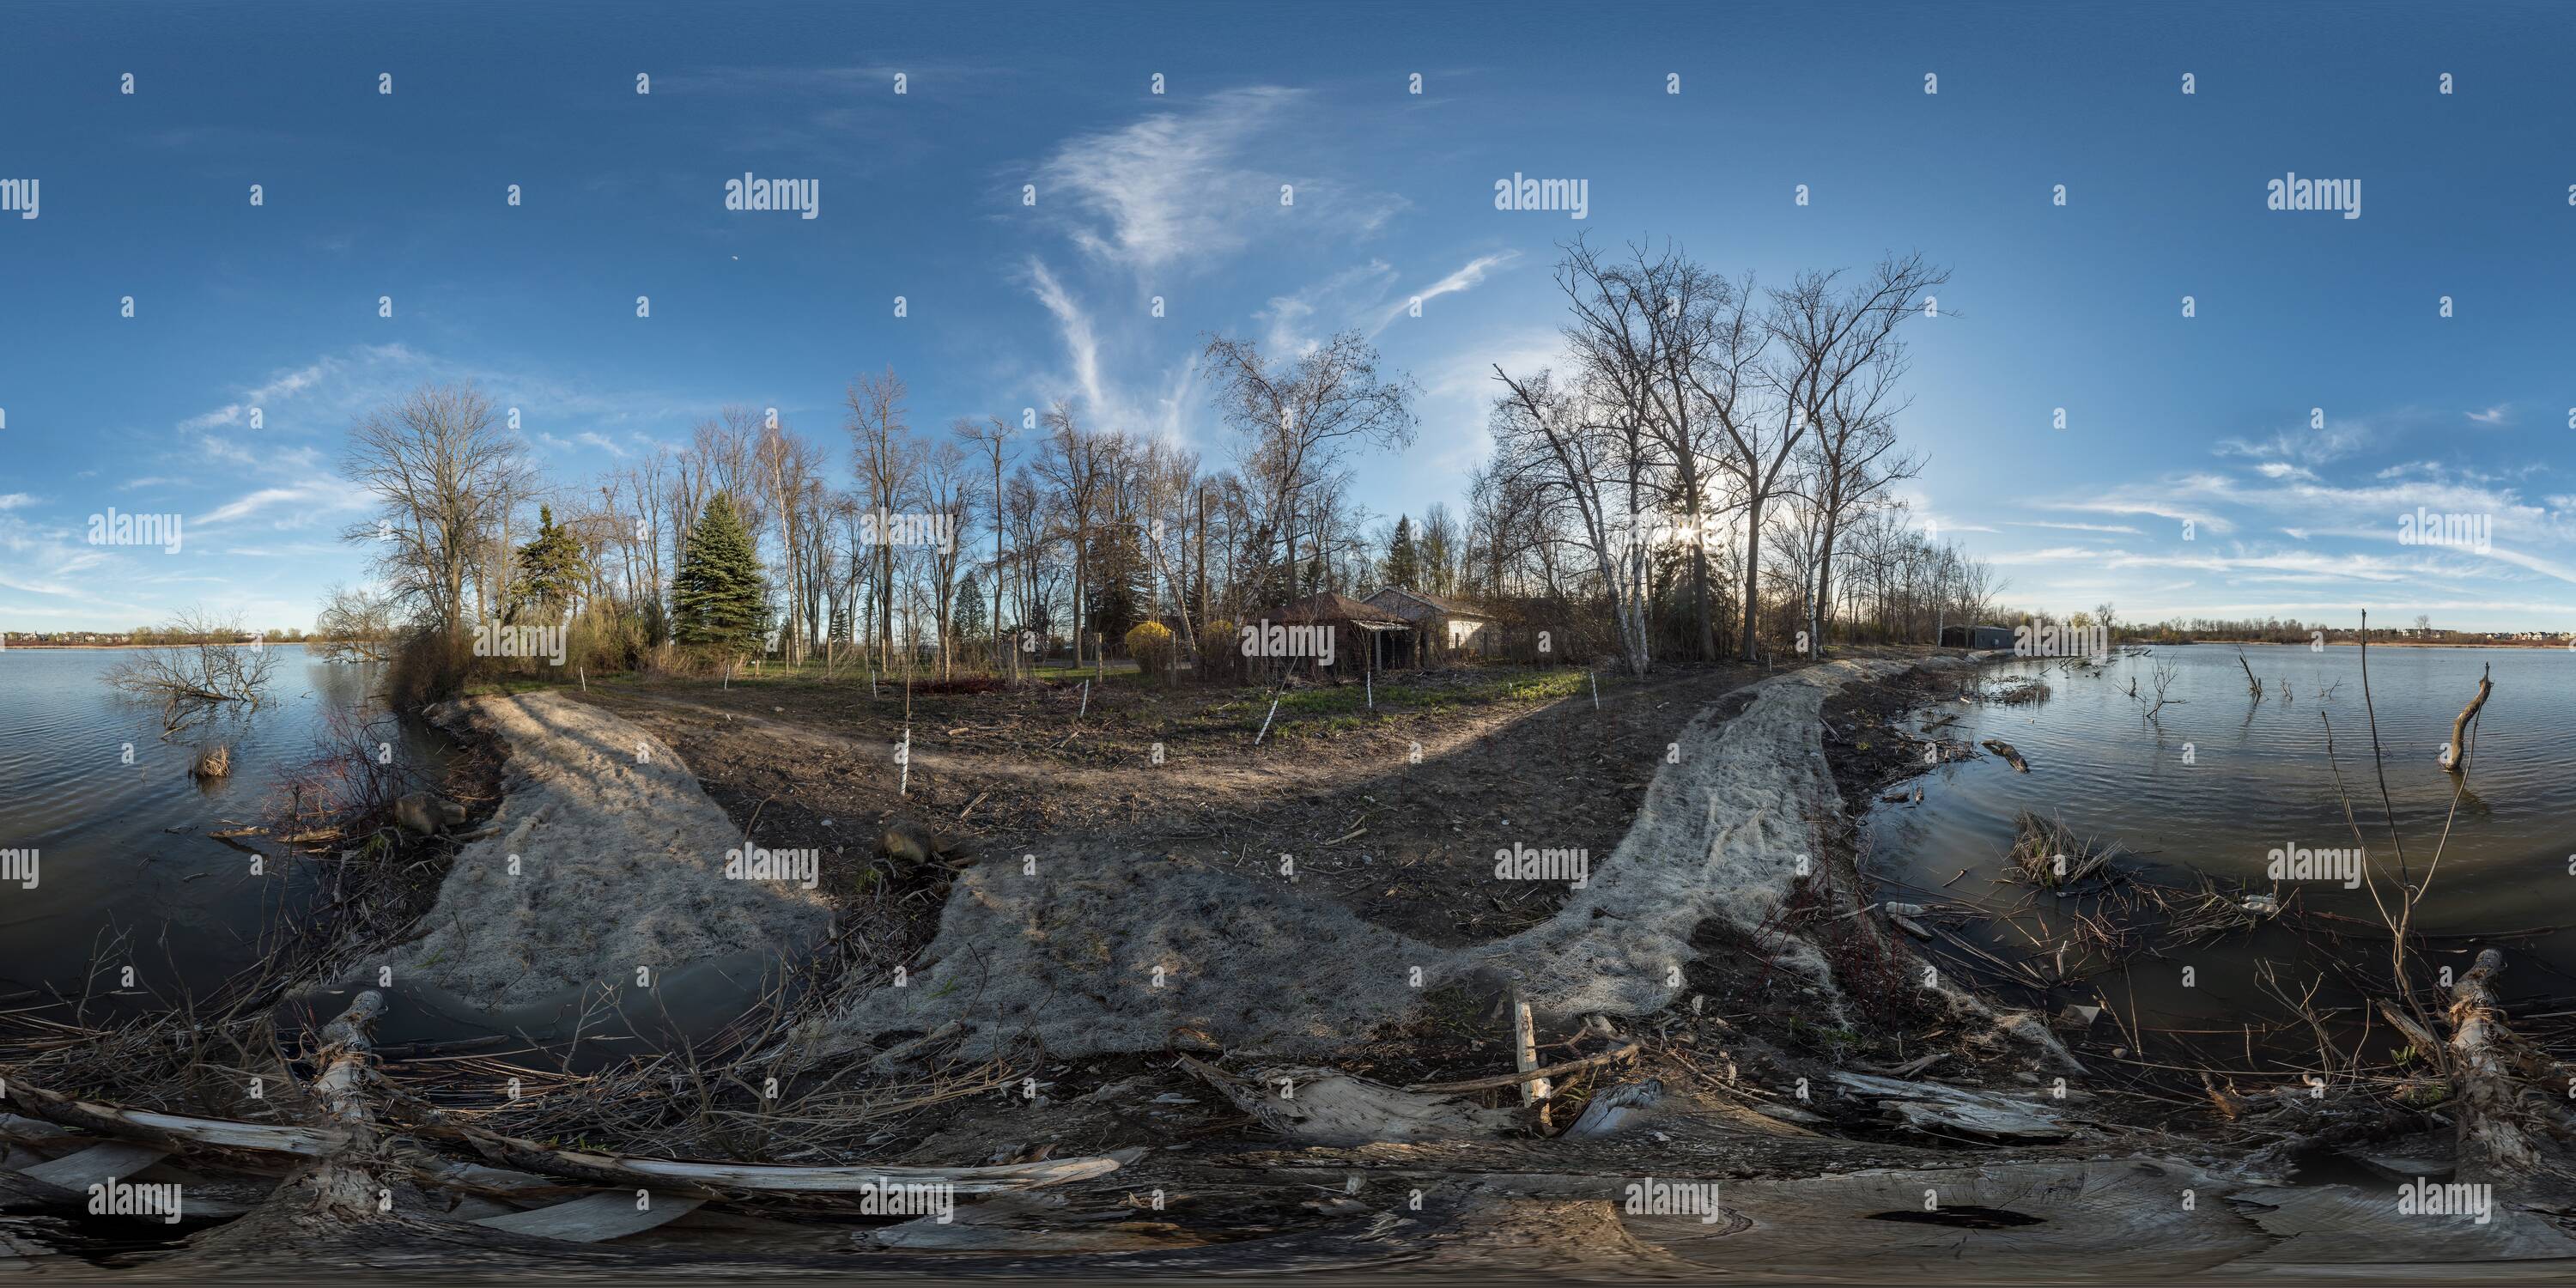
(1441, 604)
(1331, 606)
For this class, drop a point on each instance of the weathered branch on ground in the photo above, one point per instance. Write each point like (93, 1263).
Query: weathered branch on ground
(2510, 1135)
(339, 1184)
(1553, 1071)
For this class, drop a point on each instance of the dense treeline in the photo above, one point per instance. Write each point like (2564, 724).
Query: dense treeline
(1708, 475)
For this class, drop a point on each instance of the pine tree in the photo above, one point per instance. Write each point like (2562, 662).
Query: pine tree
(719, 596)
(1403, 567)
(970, 623)
(551, 569)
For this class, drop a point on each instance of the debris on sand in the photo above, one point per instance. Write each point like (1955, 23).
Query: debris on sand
(1937, 1108)
(1329, 1108)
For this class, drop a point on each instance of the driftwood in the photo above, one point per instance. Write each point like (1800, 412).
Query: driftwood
(338, 1181)
(1331, 1108)
(1618, 1109)
(97, 1165)
(1939, 1109)
(2011, 755)
(717, 1180)
(171, 1131)
(595, 1218)
(2456, 756)
(2512, 1133)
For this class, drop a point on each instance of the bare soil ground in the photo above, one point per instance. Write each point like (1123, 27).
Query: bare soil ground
(1506, 755)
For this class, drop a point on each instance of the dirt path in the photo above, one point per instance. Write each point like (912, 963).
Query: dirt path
(1093, 947)
(1403, 843)
(607, 858)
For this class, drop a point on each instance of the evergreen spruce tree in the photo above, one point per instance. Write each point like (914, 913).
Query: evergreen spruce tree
(719, 596)
(971, 611)
(551, 570)
(1403, 567)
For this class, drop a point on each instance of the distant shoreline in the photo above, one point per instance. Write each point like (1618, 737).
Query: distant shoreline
(2531, 644)
(109, 648)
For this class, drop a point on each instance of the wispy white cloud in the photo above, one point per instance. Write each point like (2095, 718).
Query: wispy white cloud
(1180, 188)
(2075, 527)
(1467, 277)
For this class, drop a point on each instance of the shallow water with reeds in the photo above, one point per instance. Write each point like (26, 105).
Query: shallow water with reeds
(2207, 793)
(127, 872)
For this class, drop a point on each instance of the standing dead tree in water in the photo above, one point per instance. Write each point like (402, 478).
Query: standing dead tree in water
(357, 623)
(2165, 676)
(2455, 755)
(212, 665)
(2252, 685)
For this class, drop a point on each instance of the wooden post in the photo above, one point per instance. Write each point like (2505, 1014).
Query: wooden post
(2456, 757)
(1525, 1051)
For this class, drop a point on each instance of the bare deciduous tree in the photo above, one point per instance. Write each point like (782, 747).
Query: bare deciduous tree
(443, 474)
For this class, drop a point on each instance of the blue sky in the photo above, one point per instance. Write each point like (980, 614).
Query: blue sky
(2079, 306)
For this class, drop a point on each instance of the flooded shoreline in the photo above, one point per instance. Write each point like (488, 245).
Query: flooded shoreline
(2226, 792)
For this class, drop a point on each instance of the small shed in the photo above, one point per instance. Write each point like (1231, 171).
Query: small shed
(1444, 627)
(1978, 637)
(1363, 637)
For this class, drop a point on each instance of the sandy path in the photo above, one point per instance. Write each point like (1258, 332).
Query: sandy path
(620, 863)
(1112, 951)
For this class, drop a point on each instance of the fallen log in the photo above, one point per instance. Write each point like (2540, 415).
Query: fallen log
(724, 1179)
(2510, 1135)
(338, 1182)
(2011, 755)
(171, 1131)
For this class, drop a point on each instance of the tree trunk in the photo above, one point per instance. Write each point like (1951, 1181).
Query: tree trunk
(1752, 571)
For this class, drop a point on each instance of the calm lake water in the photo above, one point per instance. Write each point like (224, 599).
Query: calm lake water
(119, 827)
(2219, 781)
